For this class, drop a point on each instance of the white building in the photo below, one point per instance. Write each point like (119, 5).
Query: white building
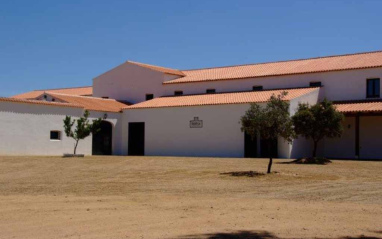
(152, 110)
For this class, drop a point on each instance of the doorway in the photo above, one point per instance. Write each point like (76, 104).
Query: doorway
(250, 146)
(136, 144)
(102, 140)
(264, 148)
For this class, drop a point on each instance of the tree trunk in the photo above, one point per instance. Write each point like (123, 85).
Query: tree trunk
(270, 156)
(75, 147)
(270, 165)
(314, 148)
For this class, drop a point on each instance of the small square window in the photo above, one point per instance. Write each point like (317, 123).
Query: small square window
(373, 88)
(315, 84)
(149, 96)
(178, 92)
(257, 88)
(55, 135)
(210, 91)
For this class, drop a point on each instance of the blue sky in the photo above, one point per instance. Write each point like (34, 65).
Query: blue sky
(50, 44)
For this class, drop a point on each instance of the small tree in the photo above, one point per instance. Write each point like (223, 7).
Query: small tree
(270, 122)
(83, 128)
(317, 122)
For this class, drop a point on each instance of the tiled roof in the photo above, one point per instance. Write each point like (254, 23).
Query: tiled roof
(353, 107)
(39, 102)
(320, 64)
(90, 103)
(84, 91)
(220, 98)
(159, 68)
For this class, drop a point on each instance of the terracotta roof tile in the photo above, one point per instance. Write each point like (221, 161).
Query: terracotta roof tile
(84, 91)
(40, 102)
(354, 107)
(90, 103)
(321, 64)
(159, 68)
(220, 98)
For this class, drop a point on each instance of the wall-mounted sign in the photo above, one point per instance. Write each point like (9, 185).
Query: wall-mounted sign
(196, 123)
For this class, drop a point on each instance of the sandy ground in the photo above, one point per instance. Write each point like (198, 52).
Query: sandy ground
(157, 197)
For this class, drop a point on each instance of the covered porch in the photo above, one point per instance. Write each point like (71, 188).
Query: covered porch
(362, 136)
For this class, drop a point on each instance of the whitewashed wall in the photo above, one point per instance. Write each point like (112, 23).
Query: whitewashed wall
(129, 82)
(338, 85)
(167, 130)
(25, 130)
(300, 146)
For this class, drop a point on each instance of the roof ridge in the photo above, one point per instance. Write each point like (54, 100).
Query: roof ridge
(41, 102)
(238, 92)
(178, 72)
(79, 96)
(77, 87)
(222, 99)
(301, 59)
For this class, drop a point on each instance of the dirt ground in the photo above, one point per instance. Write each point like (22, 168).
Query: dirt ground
(163, 197)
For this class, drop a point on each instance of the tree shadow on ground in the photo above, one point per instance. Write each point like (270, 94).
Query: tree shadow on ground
(308, 161)
(244, 174)
(360, 237)
(234, 235)
(255, 235)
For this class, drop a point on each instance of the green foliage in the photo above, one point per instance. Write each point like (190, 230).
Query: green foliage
(317, 122)
(83, 128)
(270, 122)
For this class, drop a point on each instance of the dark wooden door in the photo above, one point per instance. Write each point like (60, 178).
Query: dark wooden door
(250, 146)
(136, 145)
(102, 140)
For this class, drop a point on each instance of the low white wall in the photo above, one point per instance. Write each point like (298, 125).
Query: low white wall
(25, 130)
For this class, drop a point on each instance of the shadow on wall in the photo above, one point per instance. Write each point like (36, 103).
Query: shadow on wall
(253, 235)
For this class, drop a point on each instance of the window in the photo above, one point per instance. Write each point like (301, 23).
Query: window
(210, 91)
(149, 96)
(53, 99)
(105, 97)
(372, 90)
(257, 88)
(315, 84)
(55, 135)
(178, 92)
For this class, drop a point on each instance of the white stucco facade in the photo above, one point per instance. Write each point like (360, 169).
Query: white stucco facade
(25, 127)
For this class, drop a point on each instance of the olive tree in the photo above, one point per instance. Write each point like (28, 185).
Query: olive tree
(83, 128)
(270, 122)
(317, 122)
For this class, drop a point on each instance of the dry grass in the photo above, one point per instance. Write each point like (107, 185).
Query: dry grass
(163, 197)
